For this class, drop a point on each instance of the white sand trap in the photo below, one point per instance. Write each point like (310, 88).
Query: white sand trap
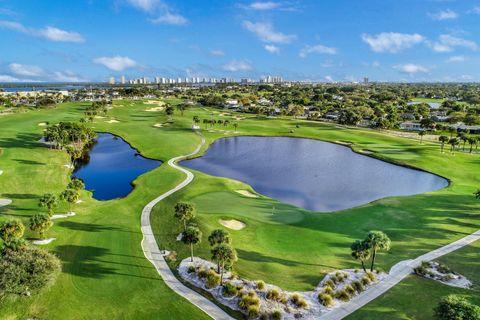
(45, 241)
(157, 102)
(42, 124)
(5, 202)
(366, 151)
(155, 109)
(1, 172)
(194, 127)
(79, 201)
(232, 224)
(247, 193)
(180, 236)
(158, 125)
(99, 117)
(61, 216)
(69, 166)
(112, 121)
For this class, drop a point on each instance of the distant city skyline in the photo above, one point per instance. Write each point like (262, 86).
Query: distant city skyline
(331, 41)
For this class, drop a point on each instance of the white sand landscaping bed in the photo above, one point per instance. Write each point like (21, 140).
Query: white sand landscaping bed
(232, 224)
(247, 193)
(5, 202)
(44, 241)
(60, 216)
(289, 311)
(438, 272)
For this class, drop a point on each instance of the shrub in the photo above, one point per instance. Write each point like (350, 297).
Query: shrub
(420, 270)
(202, 273)
(328, 290)
(213, 279)
(253, 311)
(273, 294)
(246, 301)
(27, 271)
(298, 301)
(276, 315)
(229, 289)
(191, 269)
(252, 294)
(260, 285)
(330, 283)
(366, 280)
(283, 298)
(172, 256)
(342, 295)
(349, 289)
(443, 269)
(242, 292)
(358, 286)
(334, 279)
(325, 299)
(371, 276)
(455, 307)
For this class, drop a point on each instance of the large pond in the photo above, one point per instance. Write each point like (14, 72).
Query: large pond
(311, 174)
(111, 167)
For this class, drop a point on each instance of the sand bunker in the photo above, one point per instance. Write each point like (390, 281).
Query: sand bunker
(42, 124)
(157, 102)
(113, 121)
(61, 216)
(247, 193)
(232, 224)
(99, 117)
(5, 202)
(158, 125)
(155, 109)
(1, 172)
(45, 241)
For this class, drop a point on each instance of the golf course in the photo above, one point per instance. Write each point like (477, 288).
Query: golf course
(105, 274)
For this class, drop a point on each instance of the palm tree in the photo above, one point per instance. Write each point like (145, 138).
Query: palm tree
(443, 140)
(206, 122)
(223, 254)
(76, 184)
(191, 235)
(181, 107)
(196, 120)
(472, 142)
(48, 201)
(421, 134)
(464, 139)
(184, 212)
(218, 237)
(235, 126)
(71, 196)
(361, 252)
(40, 223)
(453, 143)
(377, 240)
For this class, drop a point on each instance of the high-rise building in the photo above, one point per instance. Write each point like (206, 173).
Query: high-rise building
(123, 80)
(111, 80)
(365, 80)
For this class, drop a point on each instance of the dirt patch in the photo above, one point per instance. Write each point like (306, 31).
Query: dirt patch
(232, 224)
(247, 193)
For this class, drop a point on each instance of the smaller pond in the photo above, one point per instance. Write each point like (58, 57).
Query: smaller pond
(111, 167)
(433, 105)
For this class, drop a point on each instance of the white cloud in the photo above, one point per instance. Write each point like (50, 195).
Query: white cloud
(375, 64)
(25, 70)
(410, 68)
(475, 10)
(328, 79)
(444, 15)
(116, 63)
(447, 43)
(235, 66)
(217, 52)
(456, 59)
(392, 42)
(49, 33)
(171, 19)
(266, 32)
(145, 5)
(268, 5)
(271, 48)
(67, 76)
(321, 49)
(7, 78)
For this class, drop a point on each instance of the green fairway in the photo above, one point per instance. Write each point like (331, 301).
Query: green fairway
(103, 264)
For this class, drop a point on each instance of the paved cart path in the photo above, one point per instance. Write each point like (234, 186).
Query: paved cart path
(155, 256)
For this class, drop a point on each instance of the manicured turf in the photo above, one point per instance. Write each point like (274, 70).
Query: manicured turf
(282, 244)
(415, 297)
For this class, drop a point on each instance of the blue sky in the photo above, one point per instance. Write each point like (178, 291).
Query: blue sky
(330, 40)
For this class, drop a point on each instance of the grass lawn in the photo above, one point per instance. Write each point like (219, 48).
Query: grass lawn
(100, 247)
(415, 297)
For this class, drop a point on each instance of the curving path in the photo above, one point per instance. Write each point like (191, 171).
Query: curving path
(397, 273)
(155, 256)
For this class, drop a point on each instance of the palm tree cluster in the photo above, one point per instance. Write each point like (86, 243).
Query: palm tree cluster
(222, 251)
(96, 109)
(366, 249)
(455, 141)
